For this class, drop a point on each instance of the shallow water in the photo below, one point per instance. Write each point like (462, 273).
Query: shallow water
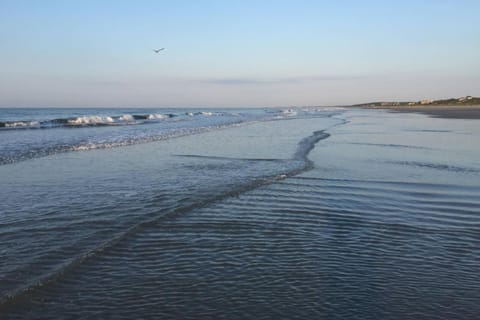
(320, 215)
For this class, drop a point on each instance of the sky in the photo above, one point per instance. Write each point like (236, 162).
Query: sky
(236, 53)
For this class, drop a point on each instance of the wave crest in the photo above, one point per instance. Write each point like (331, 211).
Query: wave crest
(90, 120)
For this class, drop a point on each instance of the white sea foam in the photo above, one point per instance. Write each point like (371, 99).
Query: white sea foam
(126, 117)
(157, 116)
(18, 124)
(289, 112)
(162, 128)
(90, 120)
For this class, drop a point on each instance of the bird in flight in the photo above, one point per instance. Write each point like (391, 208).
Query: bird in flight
(158, 50)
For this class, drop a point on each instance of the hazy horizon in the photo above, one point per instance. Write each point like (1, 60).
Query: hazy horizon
(248, 54)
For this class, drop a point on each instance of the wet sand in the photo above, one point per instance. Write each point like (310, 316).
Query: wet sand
(450, 112)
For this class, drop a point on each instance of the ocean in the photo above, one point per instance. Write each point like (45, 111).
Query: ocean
(300, 213)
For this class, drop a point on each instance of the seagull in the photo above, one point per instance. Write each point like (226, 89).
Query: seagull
(158, 50)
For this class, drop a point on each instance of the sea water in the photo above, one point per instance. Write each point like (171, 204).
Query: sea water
(318, 213)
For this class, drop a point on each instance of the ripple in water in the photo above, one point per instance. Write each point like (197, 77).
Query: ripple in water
(299, 245)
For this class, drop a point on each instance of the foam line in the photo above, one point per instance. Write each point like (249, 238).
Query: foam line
(13, 299)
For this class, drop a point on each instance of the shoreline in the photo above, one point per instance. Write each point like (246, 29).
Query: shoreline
(437, 111)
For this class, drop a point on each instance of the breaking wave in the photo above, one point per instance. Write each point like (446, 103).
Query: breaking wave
(97, 120)
(161, 126)
(19, 124)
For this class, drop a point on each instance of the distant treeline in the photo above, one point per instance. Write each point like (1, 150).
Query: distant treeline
(464, 101)
(460, 101)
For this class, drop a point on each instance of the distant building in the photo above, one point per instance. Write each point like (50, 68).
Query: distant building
(425, 101)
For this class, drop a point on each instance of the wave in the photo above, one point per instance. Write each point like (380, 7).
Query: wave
(203, 113)
(289, 112)
(19, 124)
(126, 117)
(13, 299)
(42, 151)
(98, 120)
(85, 146)
(92, 120)
(308, 143)
(144, 118)
(182, 124)
(153, 116)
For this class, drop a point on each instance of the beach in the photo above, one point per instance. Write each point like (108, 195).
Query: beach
(240, 160)
(305, 213)
(445, 111)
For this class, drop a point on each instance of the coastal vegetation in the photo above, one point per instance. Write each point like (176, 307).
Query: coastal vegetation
(463, 101)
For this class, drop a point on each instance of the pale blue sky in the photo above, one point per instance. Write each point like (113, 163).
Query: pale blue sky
(236, 53)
